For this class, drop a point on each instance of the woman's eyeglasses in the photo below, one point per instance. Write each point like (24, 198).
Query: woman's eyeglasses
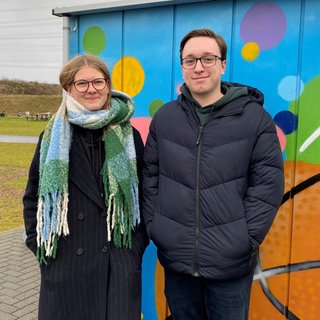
(83, 85)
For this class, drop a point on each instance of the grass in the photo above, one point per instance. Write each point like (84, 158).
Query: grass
(12, 104)
(15, 159)
(21, 127)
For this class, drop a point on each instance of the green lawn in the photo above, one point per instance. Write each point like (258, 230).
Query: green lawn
(15, 159)
(20, 126)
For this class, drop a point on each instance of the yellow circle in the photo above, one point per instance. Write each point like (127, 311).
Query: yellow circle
(128, 76)
(250, 51)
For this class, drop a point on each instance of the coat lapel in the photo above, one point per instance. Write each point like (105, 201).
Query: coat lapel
(79, 173)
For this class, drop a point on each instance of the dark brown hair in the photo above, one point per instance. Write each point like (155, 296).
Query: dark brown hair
(205, 33)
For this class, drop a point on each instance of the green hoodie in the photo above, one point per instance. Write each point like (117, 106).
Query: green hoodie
(229, 92)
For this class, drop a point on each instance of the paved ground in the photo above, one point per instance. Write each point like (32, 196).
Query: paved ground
(18, 139)
(19, 278)
(19, 271)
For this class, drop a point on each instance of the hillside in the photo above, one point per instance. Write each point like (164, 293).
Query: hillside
(17, 97)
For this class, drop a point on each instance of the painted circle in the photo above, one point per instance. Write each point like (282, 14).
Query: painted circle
(290, 88)
(154, 106)
(128, 76)
(267, 30)
(250, 51)
(286, 121)
(94, 40)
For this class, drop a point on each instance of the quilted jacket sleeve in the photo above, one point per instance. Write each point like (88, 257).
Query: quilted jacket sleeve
(150, 177)
(266, 182)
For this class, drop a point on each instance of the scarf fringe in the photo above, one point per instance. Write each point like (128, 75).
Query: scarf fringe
(51, 225)
(120, 224)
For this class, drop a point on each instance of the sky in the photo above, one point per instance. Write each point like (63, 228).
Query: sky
(31, 44)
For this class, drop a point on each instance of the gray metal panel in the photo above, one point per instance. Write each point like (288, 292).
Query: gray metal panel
(115, 6)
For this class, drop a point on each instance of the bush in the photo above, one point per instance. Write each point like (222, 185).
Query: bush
(29, 88)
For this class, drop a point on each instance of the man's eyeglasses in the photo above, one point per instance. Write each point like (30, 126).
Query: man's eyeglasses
(206, 61)
(83, 85)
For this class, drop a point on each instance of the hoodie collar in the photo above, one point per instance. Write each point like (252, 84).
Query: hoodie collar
(231, 92)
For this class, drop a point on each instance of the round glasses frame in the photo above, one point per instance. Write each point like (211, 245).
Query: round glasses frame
(82, 86)
(206, 61)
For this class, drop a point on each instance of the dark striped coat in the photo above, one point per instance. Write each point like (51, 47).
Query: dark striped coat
(90, 278)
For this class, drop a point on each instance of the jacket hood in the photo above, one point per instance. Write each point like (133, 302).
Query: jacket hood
(254, 93)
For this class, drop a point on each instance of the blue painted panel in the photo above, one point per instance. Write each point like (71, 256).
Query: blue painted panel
(215, 15)
(148, 37)
(272, 45)
(110, 25)
(278, 52)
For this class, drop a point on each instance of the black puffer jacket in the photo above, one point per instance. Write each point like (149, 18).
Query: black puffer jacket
(211, 193)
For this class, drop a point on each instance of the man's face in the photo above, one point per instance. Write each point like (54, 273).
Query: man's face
(203, 82)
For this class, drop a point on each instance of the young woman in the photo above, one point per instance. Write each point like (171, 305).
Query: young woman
(81, 204)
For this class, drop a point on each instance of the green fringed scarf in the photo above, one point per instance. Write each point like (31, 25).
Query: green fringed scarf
(119, 172)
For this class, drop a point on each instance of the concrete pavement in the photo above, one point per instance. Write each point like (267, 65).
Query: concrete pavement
(19, 278)
(18, 139)
(19, 270)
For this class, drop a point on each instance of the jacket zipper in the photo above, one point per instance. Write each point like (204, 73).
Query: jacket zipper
(197, 229)
(197, 222)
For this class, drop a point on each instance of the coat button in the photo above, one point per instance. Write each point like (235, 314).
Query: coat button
(79, 251)
(105, 249)
(104, 213)
(81, 216)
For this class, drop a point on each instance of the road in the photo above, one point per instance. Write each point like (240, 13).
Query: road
(18, 139)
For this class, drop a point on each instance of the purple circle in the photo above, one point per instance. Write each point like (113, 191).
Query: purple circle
(265, 23)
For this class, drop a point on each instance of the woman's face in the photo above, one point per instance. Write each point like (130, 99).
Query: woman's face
(90, 88)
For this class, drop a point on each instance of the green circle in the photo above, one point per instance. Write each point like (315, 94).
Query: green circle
(154, 106)
(94, 40)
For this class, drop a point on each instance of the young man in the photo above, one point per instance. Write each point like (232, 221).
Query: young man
(213, 182)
